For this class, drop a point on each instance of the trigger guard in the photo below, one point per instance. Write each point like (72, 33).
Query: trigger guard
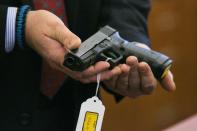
(112, 62)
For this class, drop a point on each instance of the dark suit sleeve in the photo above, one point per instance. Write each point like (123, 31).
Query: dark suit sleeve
(3, 16)
(129, 17)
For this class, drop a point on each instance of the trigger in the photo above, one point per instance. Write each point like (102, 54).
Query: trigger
(112, 57)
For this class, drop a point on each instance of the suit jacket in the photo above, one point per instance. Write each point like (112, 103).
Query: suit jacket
(23, 107)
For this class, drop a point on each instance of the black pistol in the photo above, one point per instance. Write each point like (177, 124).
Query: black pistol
(107, 43)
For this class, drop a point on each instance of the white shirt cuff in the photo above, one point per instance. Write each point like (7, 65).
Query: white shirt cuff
(10, 29)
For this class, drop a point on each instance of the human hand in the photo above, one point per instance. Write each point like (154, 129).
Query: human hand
(136, 79)
(51, 39)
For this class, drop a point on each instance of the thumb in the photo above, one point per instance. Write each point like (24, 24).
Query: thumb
(64, 36)
(168, 82)
(142, 45)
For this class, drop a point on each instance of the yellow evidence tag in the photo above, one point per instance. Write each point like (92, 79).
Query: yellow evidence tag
(90, 121)
(91, 115)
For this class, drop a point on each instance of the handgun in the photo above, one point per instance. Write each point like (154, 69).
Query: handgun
(107, 44)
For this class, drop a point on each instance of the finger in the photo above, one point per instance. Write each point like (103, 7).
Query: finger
(168, 82)
(96, 69)
(134, 77)
(123, 81)
(91, 71)
(63, 35)
(89, 75)
(148, 82)
(107, 75)
(110, 84)
(125, 69)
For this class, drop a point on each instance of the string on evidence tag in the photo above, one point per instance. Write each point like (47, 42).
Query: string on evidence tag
(98, 77)
(91, 112)
(98, 83)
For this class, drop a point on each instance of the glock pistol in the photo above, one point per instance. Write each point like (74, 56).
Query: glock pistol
(107, 44)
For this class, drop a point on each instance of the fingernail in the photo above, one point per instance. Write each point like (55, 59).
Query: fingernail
(132, 61)
(108, 65)
(173, 83)
(143, 68)
(74, 43)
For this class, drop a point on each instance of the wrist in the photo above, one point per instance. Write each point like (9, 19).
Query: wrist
(27, 30)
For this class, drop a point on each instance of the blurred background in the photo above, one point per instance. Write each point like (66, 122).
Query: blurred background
(173, 31)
